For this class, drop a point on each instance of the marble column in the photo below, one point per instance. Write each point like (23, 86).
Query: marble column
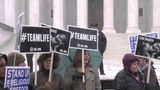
(108, 17)
(58, 14)
(34, 12)
(34, 19)
(10, 18)
(156, 16)
(2, 9)
(133, 17)
(82, 13)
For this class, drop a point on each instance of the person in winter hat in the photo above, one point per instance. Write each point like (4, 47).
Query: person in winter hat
(153, 81)
(16, 59)
(129, 78)
(128, 59)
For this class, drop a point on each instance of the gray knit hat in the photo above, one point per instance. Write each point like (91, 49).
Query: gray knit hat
(3, 56)
(19, 59)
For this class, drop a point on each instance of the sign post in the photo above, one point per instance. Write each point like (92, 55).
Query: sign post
(85, 39)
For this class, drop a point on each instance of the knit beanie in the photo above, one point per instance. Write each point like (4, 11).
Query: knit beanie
(3, 56)
(18, 60)
(128, 59)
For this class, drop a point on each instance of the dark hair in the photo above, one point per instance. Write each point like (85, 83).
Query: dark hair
(94, 24)
(4, 56)
(78, 58)
(43, 57)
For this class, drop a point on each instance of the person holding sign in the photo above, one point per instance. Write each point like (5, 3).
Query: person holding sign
(73, 74)
(102, 44)
(43, 74)
(153, 81)
(16, 59)
(3, 63)
(129, 78)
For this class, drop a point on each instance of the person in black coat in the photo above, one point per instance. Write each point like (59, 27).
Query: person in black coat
(129, 78)
(102, 43)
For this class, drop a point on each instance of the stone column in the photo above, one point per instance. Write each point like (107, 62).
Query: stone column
(82, 13)
(10, 18)
(156, 16)
(34, 13)
(34, 19)
(133, 17)
(2, 9)
(58, 14)
(108, 17)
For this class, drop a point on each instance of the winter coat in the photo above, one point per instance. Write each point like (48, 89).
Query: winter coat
(92, 81)
(2, 85)
(102, 42)
(125, 81)
(153, 82)
(42, 79)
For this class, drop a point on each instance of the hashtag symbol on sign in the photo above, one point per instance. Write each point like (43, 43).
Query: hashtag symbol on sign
(23, 37)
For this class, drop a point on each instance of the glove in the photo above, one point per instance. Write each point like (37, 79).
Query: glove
(77, 76)
(48, 85)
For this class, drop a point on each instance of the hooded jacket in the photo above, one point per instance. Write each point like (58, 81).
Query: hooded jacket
(125, 79)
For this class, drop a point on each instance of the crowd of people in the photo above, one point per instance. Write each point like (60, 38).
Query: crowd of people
(132, 77)
(72, 79)
(81, 75)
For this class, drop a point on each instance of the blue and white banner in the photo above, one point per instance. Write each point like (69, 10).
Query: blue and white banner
(17, 78)
(134, 38)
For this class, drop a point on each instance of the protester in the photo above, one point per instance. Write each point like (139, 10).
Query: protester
(73, 74)
(129, 78)
(16, 59)
(43, 74)
(102, 43)
(3, 63)
(153, 82)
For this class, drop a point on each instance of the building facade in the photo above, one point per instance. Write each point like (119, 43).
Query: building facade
(111, 15)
